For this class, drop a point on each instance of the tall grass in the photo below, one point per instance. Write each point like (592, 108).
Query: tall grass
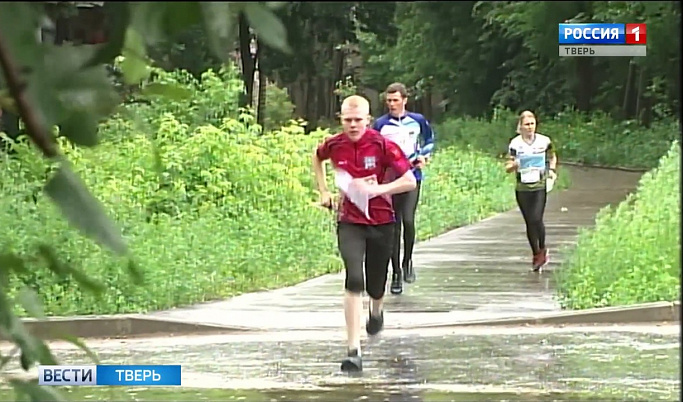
(633, 253)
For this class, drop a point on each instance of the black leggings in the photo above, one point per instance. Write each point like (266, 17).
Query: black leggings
(532, 205)
(365, 246)
(405, 205)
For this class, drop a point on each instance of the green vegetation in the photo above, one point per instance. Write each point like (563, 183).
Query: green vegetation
(211, 207)
(199, 214)
(506, 55)
(594, 139)
(632, 255)
(53, 85)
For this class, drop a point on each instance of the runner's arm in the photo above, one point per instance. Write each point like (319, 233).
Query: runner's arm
(395, 159)
(321, 153)
(426, 132)
(511, 164)
(552, 163)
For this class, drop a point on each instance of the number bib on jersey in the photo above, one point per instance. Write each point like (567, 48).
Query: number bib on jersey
(529, 176)
(530, 167)
(401, 136)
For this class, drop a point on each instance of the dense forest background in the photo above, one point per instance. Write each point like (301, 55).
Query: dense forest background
(458, 58)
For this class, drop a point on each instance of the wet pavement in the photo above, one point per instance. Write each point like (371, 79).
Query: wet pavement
(473, 273)
(640, 362)
(480, 271)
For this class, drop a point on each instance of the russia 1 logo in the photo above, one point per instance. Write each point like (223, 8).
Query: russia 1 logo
(636, 34)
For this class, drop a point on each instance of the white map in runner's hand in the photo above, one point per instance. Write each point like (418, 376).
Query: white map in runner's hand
(346, 183)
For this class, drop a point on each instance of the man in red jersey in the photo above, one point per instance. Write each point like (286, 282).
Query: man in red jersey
(365, 238)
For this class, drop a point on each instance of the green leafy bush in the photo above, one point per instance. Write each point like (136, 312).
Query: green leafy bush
(226, 211)
(279, 108)
(75, 92)
(219, 211)
(632, 255)
(208, 100)
(210, 204)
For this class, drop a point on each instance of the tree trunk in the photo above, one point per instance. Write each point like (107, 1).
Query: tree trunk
(313, 82)
(324, 95)
(584, 90)
(428, 112)
(627, 91)
(640, 93)
(646, 113)
(297, 92)
(337, 74)
(310, 102)
(248, 62)
(338, 57)
(261, 106)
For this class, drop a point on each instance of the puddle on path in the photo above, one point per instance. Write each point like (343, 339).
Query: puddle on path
(413, 367)
(348, 393)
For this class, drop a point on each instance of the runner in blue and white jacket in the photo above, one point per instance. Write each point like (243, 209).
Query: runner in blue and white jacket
(413, 134)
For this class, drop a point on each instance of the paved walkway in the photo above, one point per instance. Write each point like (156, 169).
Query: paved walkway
(471, 364)
(473, 273)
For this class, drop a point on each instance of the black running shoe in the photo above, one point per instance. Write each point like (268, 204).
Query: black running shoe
(408, 272)
(375, 324)
(352, 362)
(396, 283)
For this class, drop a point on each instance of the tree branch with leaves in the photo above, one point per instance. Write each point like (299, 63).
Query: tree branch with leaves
(68, 87)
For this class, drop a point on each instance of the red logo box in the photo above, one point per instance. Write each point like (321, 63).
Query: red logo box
(636, 34)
